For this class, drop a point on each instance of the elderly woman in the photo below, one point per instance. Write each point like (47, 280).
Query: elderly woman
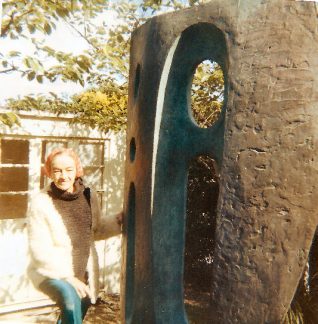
(64, 219)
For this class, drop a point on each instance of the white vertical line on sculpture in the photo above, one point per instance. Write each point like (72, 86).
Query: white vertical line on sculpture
(159, 110)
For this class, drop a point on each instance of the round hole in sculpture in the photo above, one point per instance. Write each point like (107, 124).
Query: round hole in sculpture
(202, 198)
(132, 149)
(137, 81)
(207, 93)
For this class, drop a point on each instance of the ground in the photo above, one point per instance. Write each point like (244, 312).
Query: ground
(107, 310)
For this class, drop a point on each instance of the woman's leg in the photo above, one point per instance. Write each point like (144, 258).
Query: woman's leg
(73, 309)
(86, 302)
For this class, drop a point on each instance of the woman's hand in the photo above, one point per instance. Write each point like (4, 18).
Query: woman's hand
(120, 218)
(80, 287)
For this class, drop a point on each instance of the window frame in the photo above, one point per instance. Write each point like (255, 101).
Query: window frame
(36, 151)
(16, 192)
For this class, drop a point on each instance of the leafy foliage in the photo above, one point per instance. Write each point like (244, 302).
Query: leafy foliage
(203, 191)
(207, 93)
(104, 64)
(103, 107)
(9, 119)
(33, 21)
(108, 45)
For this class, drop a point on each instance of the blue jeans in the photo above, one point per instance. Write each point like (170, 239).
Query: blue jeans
(73, 308)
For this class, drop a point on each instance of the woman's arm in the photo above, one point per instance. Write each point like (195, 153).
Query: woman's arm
(104, 226)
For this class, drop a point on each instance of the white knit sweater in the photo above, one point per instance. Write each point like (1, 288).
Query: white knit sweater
(50, 245)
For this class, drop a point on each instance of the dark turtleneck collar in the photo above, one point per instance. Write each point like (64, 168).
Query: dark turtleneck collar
(65, 195)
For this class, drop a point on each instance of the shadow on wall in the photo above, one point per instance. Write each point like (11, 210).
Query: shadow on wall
(114, 182)
(115, 170)
(110, 270)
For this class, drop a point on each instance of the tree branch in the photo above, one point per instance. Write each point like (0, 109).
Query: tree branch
(81, 34)
(7, 70)
(6, 28)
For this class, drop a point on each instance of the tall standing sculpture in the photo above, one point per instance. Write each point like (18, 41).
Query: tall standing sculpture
(264, 143)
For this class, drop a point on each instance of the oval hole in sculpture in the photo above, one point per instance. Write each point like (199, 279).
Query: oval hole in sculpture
(203, 192)
(130, 271)
(207, 93)
(132, 149)
(137, 81)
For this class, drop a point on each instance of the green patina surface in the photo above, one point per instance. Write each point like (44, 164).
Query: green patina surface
(180, 140)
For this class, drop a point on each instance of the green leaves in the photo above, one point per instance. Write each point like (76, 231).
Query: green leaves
(23, 19)
(207, 93)
(104, 65)
(14, 53)
(47, 28)
(4, 63)
(39, 78)
(20, 16)
(31, 75)
(34, 64)
(9, 119)
(108, 47)
(104, 108)
(62, 12)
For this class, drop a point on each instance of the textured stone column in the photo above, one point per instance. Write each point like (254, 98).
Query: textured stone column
(265, 143)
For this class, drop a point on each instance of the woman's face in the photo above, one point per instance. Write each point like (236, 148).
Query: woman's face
(63, 172)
